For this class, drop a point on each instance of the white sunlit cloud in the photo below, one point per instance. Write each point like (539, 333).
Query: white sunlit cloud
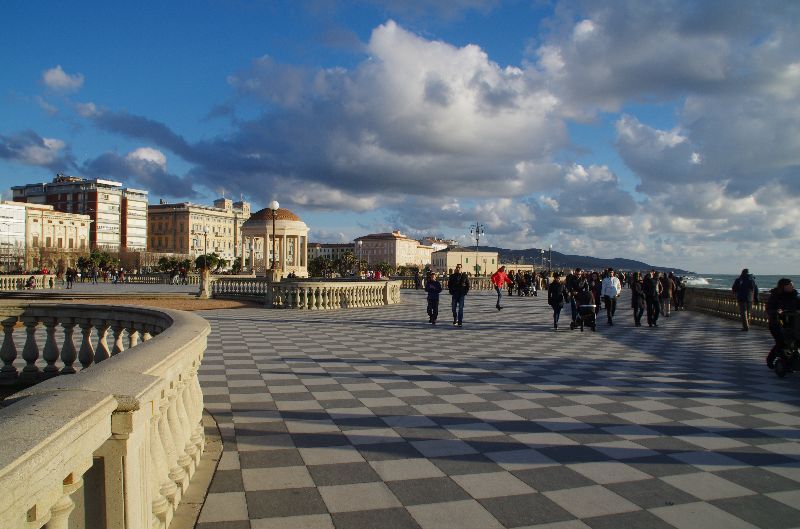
(59, 80)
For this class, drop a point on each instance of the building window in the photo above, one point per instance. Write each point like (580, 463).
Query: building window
(466, 260)
(48, 242)
(60, 242)
(83, 244)
(35, 241)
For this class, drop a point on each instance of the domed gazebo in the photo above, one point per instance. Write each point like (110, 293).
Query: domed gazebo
(291, 241)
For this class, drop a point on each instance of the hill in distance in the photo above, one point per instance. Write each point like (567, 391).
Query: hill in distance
(564, 261)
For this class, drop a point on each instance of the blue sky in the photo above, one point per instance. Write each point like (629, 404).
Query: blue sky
(666, 132)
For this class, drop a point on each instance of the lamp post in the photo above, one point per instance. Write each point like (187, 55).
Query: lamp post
(476, 232)
(550, 259)
(360, 244)
(542, 258)
(205, 240)
(273, 207)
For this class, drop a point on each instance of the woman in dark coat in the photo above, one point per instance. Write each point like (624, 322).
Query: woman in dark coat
(638, 300)
(556, 297)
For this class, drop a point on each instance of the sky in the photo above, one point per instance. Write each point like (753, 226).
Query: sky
(664, 131)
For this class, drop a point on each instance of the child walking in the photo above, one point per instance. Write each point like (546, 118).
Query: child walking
(433, 287)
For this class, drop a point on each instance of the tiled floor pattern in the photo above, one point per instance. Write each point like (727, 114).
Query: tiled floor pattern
(372, 418)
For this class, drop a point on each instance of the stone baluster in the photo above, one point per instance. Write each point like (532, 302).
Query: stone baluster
(30, 352)
(63, 507)
(179, 435)
(196, 394)
(86, 352)
(312, 298)
(119, 328)
(163, 488)
(176, 472)
(133, 335)
(68, 352)
(146, 335)
(102, 345)
(189, 449)
(50, 352)
(323, 298)
(8, 353)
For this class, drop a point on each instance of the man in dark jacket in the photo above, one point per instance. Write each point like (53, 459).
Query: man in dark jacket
(433, 287)
(575, 283)
(458, 286)
(652, 292)
(746, 292)
(556, 297)
(783, 299)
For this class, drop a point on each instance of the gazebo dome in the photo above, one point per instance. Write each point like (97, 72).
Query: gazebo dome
(266, 214)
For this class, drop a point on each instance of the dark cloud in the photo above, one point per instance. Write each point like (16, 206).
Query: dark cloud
(31, 149)
(146, 174)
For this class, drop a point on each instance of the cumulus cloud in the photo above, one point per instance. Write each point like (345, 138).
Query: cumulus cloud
(60, 81)
(31, 149)
(145, 167)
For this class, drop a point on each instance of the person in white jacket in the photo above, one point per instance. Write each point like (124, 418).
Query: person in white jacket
(610, 290)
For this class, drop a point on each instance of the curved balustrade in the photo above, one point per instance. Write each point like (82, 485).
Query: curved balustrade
(19, 282)
(238, 287)
(125, 431)
(723, 303)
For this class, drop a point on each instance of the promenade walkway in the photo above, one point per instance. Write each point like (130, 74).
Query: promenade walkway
(372, 418)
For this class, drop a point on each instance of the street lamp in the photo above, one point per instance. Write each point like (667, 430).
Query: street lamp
(273, 207)
(542, 249)
(550, 259)
(476, 232)
(205, 240)
(360, 244)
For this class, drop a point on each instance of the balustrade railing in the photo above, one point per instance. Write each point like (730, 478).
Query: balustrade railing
(476, 283)
(723, 303)
(308, 294)
(122, 437)
(20, 282)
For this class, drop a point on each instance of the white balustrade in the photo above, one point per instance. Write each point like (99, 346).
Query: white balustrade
(20, 282)
(127, 430)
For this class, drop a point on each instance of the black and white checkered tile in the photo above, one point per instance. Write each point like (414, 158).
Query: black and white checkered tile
(372, 418)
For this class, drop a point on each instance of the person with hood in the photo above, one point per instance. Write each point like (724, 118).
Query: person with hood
(458, 286)
(746, 292)
(782, 299)
(652, 292)
(556, 297)
(499, 280)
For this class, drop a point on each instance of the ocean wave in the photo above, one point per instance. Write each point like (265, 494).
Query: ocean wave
(697, 281)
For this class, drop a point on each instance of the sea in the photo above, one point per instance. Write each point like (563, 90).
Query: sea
(725, 281)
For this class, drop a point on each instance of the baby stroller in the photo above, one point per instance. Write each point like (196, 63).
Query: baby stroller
(586, 311)
(788, 358)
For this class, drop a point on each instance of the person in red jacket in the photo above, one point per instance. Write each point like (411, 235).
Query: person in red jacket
(499, 280)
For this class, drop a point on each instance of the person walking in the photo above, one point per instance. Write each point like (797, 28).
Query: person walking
(499, 280)
(556, 297)
(746, 292)
(638, 300)
(433, 287)
(667, 291)
(458, 286)
(611, 289)
(782, 299)
(652, 291)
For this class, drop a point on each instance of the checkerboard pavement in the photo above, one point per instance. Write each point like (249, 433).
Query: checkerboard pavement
(372, 418)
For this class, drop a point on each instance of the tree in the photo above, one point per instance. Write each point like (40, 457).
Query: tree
(207, 261)
(385, 268)
(346, 264)
(320, 267)
(237, 265)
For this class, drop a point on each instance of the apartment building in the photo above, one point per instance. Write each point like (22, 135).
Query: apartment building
(475, 263)
(332, 251)
(195, 229)
(117, 213)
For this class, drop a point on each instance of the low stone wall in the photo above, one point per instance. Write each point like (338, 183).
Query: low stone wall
(311, 294)
(115, 445)
(723, 303)
(18, 282)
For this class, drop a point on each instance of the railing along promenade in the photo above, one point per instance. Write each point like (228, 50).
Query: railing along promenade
(114, 442)
(19, 282)
(308, 294)
(722, 303)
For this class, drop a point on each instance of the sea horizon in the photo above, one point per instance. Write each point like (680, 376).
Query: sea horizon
(725, 281)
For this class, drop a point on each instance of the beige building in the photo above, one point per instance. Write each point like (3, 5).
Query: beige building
(54, 239)
(291, 242)
(193, 229)
(393, 248)
(445, 260)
